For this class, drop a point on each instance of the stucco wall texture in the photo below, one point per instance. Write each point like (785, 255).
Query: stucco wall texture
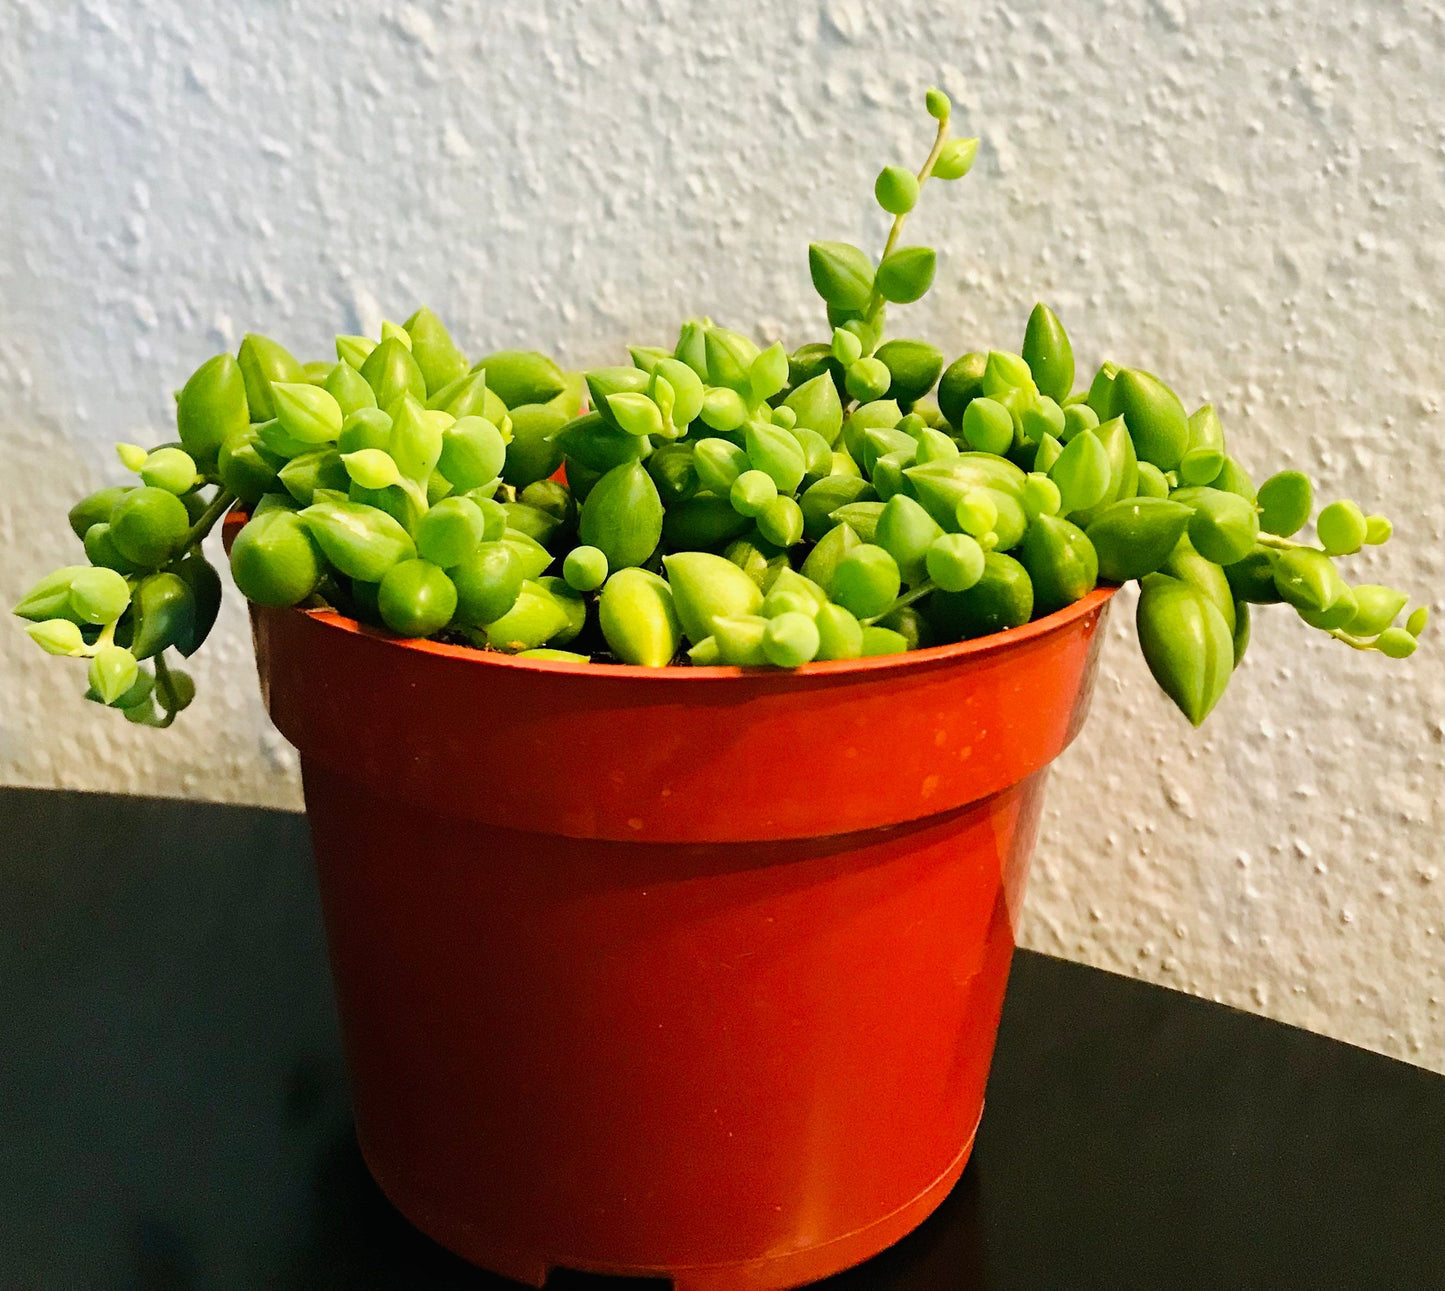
(1243, 197)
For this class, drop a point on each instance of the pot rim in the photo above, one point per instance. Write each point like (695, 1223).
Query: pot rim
(889, 663)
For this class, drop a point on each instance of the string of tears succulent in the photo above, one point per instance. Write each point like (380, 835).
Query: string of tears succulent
(711, 502)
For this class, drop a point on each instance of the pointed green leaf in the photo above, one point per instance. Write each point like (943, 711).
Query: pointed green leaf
(842, 274)
(113, 671)
(1048, 353)
(1186, 643)
(956, 158)
(906, 274)
(57, 636)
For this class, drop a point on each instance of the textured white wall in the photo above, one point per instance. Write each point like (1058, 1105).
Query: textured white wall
(1243, 196)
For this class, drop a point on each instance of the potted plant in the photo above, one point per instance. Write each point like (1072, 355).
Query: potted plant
(673, 735)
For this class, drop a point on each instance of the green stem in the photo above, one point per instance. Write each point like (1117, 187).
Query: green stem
(220, 504)
(875, 302)
(106, 637)
(166, 686)
(908, 597)
(1278, 543)
(1354, 642)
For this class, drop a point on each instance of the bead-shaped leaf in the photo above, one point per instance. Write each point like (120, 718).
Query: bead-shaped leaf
(769, 372)
(171, 469)
(1047, 351)
(723, 409)
(602, 383)
(1154, 415)
(361, 541)
(353, 350)
(867, 379)
(99, 595)
(740, 640)
(622, 516)
(395, 331)
(730, 357)
(1224, 525)
(1205, 457)
(391, 371)
(1123, 468)
(535, 617)
(718, 463)
(635, 413)
(1308, 580)
(637, 614)
(906, 274)
(1375, 609)
(50, 597)
(1186, 643)
(777, 454)
(416, 440)
(1082, 473)
(847, 347)
(647, 357)
(473, 453)
(1396, 643)
(913, 366)
(823, 560)
(818, 407)
(706, 587)
(691, 345)
(372, 468)
(1003, 372)
(956, 158)
(522, 376)
(113, 671)
(307, 413)
(132, 456)
(906, 531)
(1285, 502)
(1134, 536)
(163, 615)
(896, 190)
(688, 390)
(349, 388)
(437, 355)
(1342, 528)
(263, 361)
(211, 406)
(842, 274)
(57, 636)
(1061, 562)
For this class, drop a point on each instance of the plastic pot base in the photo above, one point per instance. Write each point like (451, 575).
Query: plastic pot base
(784, 1271)
(737, 1061)
(692, 973)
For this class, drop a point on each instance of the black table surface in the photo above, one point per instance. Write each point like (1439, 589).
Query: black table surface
(173, 1106)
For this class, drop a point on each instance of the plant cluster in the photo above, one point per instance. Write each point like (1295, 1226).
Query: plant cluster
(716, 502)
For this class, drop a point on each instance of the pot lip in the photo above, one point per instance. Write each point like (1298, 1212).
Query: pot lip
(977, 647)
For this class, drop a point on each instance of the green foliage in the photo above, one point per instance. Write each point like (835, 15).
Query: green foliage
(711, 502)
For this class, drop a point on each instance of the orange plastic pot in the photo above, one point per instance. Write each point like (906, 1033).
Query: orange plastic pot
(690, 973)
